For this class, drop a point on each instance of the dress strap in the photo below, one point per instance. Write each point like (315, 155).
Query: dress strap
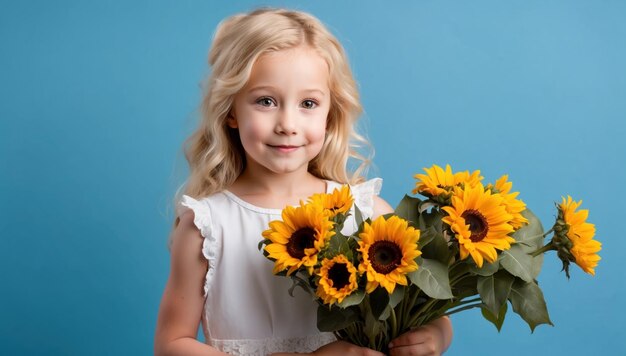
(364, 193)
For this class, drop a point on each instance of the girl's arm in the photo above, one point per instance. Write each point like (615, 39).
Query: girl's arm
(183, 300)
(431, 339)
(381, 207)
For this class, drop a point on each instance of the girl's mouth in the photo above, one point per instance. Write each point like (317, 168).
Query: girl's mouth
(284, 148)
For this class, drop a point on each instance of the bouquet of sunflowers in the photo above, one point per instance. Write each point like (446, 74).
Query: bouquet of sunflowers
(461, 245)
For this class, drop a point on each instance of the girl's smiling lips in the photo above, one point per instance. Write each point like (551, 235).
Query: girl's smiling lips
(284, 148)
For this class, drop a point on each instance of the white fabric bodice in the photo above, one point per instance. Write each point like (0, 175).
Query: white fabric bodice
(248, 310)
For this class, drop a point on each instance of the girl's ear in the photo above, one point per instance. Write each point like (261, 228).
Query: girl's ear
(231, 121)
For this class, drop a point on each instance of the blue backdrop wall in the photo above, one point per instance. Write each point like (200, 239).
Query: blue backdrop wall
(96, 98)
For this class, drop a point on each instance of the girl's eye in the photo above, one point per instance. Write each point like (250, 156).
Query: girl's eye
(266, 101)
(309, 104)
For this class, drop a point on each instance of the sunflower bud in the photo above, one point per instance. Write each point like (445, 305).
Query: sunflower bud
(563, 245)
(573, 237)
(566, 257)
(443, 198)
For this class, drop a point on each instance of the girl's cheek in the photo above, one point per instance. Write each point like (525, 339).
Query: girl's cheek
(319, 137)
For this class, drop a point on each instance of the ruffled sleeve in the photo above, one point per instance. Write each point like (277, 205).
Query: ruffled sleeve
(364, 193)
(202, 220)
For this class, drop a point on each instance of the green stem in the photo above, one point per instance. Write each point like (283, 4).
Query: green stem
(458, 278)
(546, 248)
(413, 298)
(429, 315)
(469, 306)
(408, 302)
(425, 312)
(447, 306)
(456, 274)
(373, 342)
(394, 324)
(403, 311)
(413, 321)
(468, 301)
(455, 265)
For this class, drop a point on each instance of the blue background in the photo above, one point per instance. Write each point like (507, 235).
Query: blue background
(97, 97)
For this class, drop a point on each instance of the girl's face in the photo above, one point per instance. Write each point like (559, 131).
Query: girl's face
(281, 112)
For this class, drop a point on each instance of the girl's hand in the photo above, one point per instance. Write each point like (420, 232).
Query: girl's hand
(430, 339)
(344, 348)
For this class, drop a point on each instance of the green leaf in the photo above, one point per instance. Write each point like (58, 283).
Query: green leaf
(530, 238)
(339, 220)
(432, 278)
(518, 262)
(431, 218)
(408, 208)
(487, 269)
(426, 236)
(379, 300)
(532, 233)
(372, 327)
(338, 245)
(396, 297)
(263, 242)
(466, 287)
(498, 319)
(358, 216)
(385, 314)
(426, 205)
(353, 299)
(437, 247)
(299, 282)
(336, 318)
(527, 301)
(494, 290)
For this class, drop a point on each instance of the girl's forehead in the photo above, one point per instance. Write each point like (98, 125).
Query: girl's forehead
(299, 65)
(300, 53)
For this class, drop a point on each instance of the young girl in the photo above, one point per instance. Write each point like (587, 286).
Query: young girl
(277, 127)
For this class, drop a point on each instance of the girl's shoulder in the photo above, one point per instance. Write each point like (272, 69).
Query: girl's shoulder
(186, 202)
(201, 208)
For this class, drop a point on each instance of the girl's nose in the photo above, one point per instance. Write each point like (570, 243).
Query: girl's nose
(286, 123)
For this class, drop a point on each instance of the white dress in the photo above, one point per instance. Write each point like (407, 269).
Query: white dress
(248, 310)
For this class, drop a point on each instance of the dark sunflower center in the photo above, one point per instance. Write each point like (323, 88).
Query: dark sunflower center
(477, 224)
(385, 256)
(300, 240)
(339, 274)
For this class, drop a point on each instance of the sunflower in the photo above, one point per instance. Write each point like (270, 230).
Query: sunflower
(338, 279)
(338, 202)
(297, 239)
(584, 248)
(388, 249)
(436, 181)
(513, 205)
(466, 178)
(480, 222)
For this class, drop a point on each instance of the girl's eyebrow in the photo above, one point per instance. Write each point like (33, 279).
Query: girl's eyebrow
(271, 88)
(311, 91)
(262, 87)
